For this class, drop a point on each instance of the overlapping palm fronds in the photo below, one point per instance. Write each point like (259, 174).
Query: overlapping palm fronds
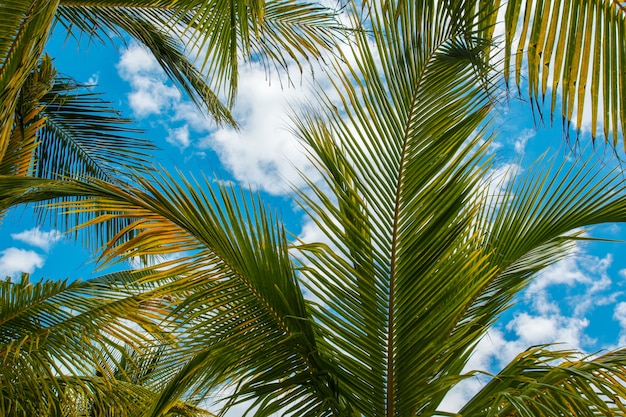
(62, 341)
(64, 130)
(423, 258)
(223, 34)
(24, 28)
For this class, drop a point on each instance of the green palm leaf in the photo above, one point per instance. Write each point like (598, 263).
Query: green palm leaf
(224, 32)
(84, 136)
(573, 48)
(421, 260)
(541, 381)
(24, 27)
(242, 309)
(55, 336)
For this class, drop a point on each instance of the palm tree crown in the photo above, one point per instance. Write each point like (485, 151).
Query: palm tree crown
(418, 261)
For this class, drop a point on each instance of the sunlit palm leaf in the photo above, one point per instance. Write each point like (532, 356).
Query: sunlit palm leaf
(244, 310)
(404, 179)
(424, 261)
(574, 48)
(56, 335)
(541, 381)
(24, 28)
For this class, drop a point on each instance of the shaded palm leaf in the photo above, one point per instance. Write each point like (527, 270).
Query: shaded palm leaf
(63, 129)
(84, 136)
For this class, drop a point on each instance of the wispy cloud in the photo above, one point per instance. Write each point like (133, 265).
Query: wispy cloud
(38, 238)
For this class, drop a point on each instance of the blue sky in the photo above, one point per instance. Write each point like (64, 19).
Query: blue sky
(581, 301)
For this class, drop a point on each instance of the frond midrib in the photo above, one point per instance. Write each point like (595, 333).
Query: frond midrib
(396, 212)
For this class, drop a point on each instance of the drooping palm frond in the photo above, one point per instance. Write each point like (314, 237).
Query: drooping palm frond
(220, 32)
(541, 381)
(83, 135)
(63, 129)
(24, 29)
(243, 313)
(575, 49)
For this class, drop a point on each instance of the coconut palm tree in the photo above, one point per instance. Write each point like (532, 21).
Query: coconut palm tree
(55, 335)
(419, 258)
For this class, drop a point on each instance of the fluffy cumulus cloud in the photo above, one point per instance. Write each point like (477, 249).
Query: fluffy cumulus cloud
(263, 154)
(38, 238)
(14, 261)
(151, 93)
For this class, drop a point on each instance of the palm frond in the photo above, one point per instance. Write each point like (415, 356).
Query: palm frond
(243, 309)
(221, 32)
(145, 24)
(25, 26)
(542, 381)
(535, 222)
(56, 335)
(63, 129)
(401, 173)
(418, 272)
(574, 49)
(83, 135)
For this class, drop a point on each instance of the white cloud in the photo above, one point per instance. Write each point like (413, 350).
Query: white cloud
(619, 314)
(263, 153)
(151, 92)
(14, 261)
(136, 60)
(539, 329)
(179, 136)
(579, 269)
(519, 143)
(35, 237)
(545, 317)
(93, 80)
